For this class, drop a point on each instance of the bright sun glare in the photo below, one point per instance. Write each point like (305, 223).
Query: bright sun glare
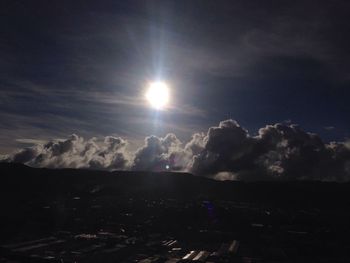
(158, 95)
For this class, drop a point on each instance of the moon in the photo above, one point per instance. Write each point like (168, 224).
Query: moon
(158, 95)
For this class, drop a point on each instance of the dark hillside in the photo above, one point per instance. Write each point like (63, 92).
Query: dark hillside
(49, 215)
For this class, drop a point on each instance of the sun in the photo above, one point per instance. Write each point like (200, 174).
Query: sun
(158, 95)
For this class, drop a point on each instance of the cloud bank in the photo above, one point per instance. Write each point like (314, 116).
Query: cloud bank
(224, 152)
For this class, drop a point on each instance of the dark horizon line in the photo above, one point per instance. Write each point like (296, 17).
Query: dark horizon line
(18, 165)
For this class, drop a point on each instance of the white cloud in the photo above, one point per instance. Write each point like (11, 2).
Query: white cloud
(225, 152)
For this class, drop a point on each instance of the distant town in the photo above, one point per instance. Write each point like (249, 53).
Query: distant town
(74, 220)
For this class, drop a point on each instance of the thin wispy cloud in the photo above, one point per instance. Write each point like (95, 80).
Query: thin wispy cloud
(85, 70)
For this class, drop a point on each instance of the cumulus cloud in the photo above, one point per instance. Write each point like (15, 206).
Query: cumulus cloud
(157, 153)
(224, 152)
(75, 152)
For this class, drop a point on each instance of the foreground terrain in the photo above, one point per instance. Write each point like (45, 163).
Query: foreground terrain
(94, 216)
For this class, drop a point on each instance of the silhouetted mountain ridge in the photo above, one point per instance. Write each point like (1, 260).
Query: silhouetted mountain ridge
(20, 180)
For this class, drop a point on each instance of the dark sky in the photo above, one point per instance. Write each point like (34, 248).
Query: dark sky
(81, 67)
